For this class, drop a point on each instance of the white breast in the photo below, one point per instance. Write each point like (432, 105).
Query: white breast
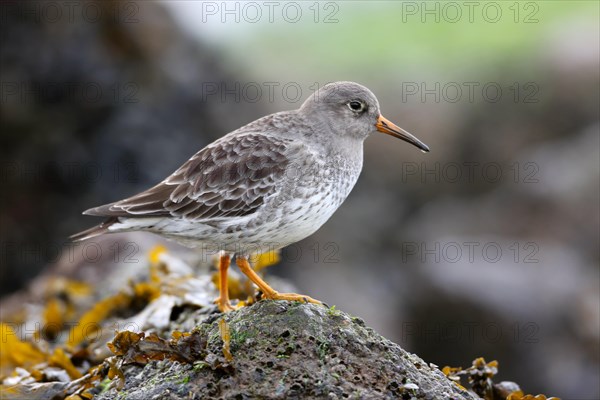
(316, 196)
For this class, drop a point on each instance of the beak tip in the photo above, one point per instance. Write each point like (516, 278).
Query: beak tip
(385, 126)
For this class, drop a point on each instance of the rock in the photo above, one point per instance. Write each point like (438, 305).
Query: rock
(284, 350)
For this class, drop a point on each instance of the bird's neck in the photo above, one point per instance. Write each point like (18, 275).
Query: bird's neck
(326, 141)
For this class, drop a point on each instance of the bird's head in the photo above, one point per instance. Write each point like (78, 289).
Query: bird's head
(348, 108)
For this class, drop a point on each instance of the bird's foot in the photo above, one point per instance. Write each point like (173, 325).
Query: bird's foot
(224, 305)
(268, 292)
(290, 297)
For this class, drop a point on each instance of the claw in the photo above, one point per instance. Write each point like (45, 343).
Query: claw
(291, 297)
(224, 305)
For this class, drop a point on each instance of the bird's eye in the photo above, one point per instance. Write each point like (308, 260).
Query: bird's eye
(356, 106)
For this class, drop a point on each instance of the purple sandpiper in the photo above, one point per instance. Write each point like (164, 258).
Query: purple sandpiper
(274, 181)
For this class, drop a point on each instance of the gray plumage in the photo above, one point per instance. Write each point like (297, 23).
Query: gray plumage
(266, 185)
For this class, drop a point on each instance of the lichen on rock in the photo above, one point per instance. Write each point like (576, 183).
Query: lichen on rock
(285, 350)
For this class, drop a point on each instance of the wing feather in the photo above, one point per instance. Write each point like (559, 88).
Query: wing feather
(230, 178)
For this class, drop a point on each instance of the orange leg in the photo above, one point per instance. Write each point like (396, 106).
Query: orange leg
(268, 291)
(223, 299)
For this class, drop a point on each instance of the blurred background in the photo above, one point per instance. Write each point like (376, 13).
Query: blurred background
(487, 246)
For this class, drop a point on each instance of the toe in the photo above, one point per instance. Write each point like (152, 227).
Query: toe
(224, 306)
(293, 297)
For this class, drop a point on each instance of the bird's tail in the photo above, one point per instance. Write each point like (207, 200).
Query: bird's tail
(94, 231)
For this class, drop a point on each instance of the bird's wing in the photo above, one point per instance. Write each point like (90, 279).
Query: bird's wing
(231, 177)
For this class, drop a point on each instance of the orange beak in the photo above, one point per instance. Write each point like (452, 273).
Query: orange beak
(385, 126)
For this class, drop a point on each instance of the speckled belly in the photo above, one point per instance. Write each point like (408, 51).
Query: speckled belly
(301, 206)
